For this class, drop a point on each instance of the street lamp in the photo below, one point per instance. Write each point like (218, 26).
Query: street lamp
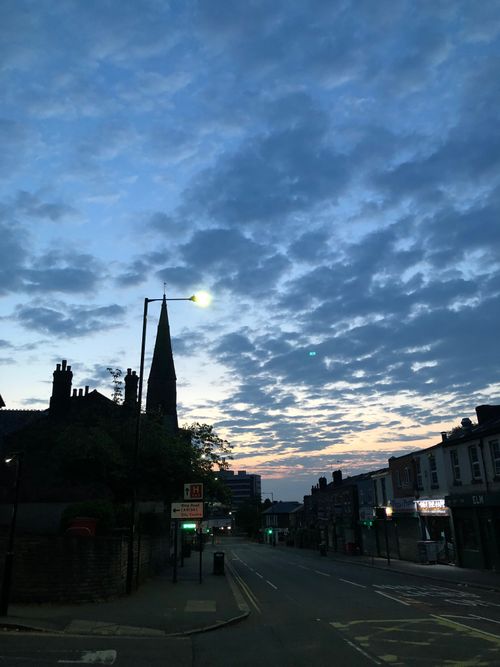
(9, 556)
(203, 299)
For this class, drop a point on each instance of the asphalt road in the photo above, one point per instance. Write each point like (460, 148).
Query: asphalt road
(306, 610)
(309, 610)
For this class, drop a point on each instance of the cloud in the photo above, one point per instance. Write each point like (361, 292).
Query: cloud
(32, 206)
(71, 321)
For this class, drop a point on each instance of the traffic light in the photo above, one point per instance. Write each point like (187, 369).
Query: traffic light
(269, 531)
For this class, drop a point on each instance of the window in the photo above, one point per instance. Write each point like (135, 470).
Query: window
(418, 468)
(398, 479)
(495, 456)
(406, 477)
(384, 492)
(475, 467)
(455, 467)
(433, 470)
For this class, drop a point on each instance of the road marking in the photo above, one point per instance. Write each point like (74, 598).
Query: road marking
(324, 574)
(260, 575)
(406, 604)
(357, 648)
(253, 600)
(92, 658)
(447, 620)
(482, 618)
(303, 567)
(271, 584)
(353, 583)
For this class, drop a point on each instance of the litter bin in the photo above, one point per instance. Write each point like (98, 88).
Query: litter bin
(427, 551)
(219, 562)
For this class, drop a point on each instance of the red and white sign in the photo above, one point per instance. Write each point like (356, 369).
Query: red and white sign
(193, 491)
(186, 511)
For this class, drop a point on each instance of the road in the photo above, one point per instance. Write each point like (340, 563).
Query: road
(309, 610)
(306, 610)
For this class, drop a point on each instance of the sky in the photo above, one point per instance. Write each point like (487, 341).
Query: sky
(328, 170)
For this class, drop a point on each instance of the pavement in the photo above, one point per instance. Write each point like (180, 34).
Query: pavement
(161, 608)
(158, 608)
(444, 573)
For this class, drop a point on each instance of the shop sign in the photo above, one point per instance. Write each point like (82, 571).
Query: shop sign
(432, 506)
(473, 500)
(403, 505)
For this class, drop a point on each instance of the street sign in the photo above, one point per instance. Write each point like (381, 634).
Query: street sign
(193, 491)
(186, 511)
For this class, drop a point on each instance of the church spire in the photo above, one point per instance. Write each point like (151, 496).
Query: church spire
(162, 388)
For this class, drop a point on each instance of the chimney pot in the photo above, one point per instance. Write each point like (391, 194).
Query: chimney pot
(64, 362)
(444, 436)
(74, 392)
(58, 367)
(80, 392)
(86, 389)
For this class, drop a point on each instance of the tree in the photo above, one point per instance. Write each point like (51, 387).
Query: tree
(116, 374)
(248, 517)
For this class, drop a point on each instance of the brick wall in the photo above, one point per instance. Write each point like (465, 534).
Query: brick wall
(78, 569)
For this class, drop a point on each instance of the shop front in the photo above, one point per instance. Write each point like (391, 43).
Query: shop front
(476, 524)
(435, 526)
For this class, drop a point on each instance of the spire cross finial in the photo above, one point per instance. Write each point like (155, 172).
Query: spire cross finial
(164, 289)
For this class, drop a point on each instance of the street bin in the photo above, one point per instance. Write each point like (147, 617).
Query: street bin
(219, 562)
(427, 551)
(322, 549)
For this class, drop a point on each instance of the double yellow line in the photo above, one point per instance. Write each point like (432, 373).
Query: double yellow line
(245, 588)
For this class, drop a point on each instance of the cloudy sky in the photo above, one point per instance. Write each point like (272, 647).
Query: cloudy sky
(328, 170)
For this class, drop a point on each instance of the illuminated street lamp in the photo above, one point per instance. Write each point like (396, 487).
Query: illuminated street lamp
(9, 556)
(203, 299)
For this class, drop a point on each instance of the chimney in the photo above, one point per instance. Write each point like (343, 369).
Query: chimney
(86, 390)
(322, 483)
(75, 393)
(131, 381)
(466, 424)
(444, 436)
(80, 392)
(61, 389)
(337, 477)
(487, 412)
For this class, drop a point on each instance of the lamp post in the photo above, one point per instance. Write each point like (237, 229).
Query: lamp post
(9, 556)
(203, 299)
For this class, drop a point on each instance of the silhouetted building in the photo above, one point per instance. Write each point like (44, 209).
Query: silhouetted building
(162, 384)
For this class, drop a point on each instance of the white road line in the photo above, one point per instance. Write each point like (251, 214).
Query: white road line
(303, 567)
(359, 649)
(259, 575)
(482, 618)
(406, 604)
(353, 583)
(92, 658)
(271, 584)
(463, 625)
(324, 574)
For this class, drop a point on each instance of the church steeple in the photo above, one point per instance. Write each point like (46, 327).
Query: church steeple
(162, 384)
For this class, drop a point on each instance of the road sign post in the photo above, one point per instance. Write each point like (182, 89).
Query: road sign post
(193, 491)
(186, 510)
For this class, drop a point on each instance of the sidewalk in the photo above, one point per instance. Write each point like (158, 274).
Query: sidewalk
(158, 608)
(484, 579)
